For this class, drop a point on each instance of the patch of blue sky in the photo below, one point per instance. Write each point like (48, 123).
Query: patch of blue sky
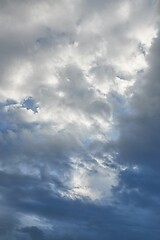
(30, 103)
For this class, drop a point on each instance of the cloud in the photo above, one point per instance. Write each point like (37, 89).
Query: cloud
(34, 232)
(79, 119)
(139, 146)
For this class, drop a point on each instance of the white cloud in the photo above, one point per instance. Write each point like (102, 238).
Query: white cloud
(69, 56)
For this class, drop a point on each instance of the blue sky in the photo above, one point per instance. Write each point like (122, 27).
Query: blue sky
(79, 120)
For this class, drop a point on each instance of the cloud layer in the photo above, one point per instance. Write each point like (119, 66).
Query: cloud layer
(79, 119)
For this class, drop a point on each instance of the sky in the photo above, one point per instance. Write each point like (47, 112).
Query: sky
(79, 120)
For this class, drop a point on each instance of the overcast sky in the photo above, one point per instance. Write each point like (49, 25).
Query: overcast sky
(79, 120)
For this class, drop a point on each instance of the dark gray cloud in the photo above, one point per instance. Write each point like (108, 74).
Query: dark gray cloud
(74, 218)
(34, 232)
(138, 143)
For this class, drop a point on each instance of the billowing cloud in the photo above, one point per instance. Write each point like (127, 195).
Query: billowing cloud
(79, 119)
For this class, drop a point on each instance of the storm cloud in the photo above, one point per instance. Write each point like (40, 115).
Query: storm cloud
(79, 120)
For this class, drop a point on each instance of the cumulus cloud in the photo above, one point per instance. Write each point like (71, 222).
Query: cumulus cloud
(79, 119)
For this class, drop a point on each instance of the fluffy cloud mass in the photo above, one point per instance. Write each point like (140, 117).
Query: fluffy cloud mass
(79, 120)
